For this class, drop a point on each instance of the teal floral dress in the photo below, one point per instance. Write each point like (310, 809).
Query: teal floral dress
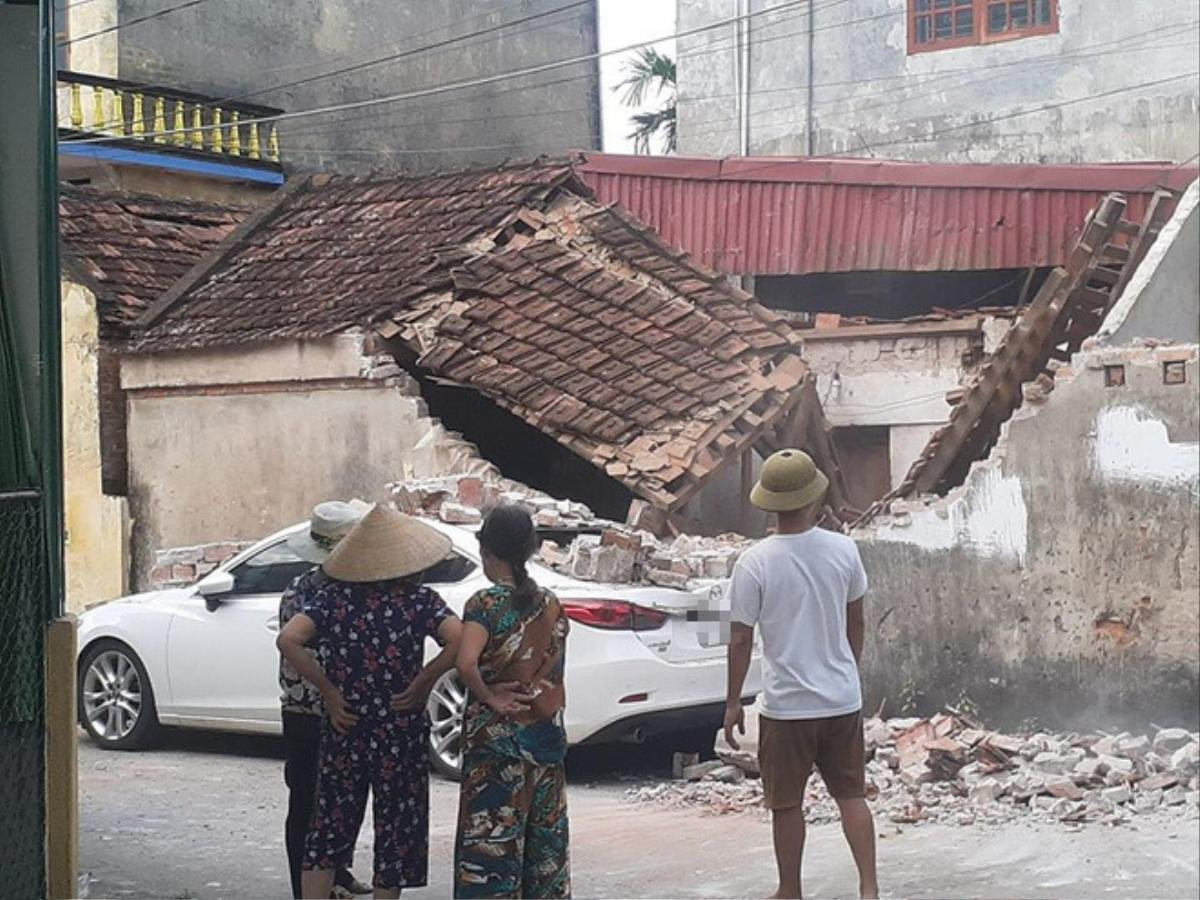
(513, 828)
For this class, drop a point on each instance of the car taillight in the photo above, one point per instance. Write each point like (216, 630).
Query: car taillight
(613, 615)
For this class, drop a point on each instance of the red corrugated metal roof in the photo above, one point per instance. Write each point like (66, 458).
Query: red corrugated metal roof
(794, 216)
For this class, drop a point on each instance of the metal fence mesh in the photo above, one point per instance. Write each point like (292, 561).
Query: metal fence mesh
(23, 617)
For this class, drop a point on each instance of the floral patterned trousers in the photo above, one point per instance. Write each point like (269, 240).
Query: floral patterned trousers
(512, 829)
(392, 763)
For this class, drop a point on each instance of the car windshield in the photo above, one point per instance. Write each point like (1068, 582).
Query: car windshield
(269, 571)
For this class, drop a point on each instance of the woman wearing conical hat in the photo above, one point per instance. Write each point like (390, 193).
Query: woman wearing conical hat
(372, 618)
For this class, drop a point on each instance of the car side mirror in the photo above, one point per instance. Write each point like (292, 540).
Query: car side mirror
(213, 586)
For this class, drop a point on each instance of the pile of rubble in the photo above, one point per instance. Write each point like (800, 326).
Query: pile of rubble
(590, 548)
(461, 500)
(620, 555)
(949, 769)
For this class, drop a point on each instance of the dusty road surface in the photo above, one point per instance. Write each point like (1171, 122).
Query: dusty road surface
(203, 818)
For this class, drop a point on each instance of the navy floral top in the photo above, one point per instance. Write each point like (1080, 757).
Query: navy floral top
(372, 640)
(298, 696)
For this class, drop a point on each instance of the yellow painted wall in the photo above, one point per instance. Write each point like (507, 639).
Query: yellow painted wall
(96, 524)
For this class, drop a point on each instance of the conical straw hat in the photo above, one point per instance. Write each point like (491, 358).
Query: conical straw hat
(386, 544)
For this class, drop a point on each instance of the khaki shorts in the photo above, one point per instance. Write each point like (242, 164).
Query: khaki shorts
(789, 748)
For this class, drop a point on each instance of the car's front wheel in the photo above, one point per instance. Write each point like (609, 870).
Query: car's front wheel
(116, 702)
(447, 705)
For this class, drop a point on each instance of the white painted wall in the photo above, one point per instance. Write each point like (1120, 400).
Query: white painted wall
(898, 381)
(907, 442)
(1132, 445)
(987, 517)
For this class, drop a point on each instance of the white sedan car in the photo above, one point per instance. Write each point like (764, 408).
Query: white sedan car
(641, 661)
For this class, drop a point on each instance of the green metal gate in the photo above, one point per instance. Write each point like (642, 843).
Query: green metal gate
(23, 618)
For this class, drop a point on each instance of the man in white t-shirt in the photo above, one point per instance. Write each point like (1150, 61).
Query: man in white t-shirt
(803, 587)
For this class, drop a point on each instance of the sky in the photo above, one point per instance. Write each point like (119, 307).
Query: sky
(624, 22)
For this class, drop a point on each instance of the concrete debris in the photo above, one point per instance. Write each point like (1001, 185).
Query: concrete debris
(1175, 796)
(1168, 740)
(743, 759)
(950, 769)
(458, 514)
(1117, 795)
(589, 548)
(726, 775)
(700, 770)
(454, 493)
(1186, 760)
(1116, 764)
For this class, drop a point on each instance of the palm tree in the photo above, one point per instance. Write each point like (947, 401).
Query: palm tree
(650, 70)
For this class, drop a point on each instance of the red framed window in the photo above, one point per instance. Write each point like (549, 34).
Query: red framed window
(941, 24)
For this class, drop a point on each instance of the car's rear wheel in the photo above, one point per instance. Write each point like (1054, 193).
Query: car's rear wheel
(116, 702)
(446, 706)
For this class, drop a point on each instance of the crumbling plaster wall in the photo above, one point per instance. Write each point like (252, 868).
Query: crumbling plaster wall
(232, 444)
(1111, 85)
(897, 381)
(1061, 581)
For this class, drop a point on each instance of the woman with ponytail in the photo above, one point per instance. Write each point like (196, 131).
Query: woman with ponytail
(512, 825)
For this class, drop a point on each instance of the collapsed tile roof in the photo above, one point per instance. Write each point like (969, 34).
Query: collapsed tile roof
(601, 335)
(514, 282)
(129, 249)
(332, 253)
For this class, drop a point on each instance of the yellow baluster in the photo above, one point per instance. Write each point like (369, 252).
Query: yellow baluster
(273, 144)
(98, 123)
(255, 147)
(160, 120)
(235, 135)
(197, 129)
(139, 121)
(180, 126)
(218, 139)
(76, 108)
(118, 113)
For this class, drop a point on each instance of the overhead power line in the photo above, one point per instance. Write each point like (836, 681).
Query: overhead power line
(459, 85)
(409, 52)
(405, 54)
(1126, 44)
(766, 165)
(146, 18)
(851, 105)
(928, 85)
(501, 26)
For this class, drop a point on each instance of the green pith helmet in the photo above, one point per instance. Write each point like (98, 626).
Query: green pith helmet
(789, 480)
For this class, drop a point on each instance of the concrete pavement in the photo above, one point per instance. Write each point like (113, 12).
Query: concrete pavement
(203, 818)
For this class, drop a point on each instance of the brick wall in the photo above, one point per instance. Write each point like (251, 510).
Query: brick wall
(181, 566)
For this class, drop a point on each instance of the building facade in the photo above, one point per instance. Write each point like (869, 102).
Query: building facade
(325, 54)
(958, 81)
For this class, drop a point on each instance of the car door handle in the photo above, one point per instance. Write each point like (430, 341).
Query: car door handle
(273, 623)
